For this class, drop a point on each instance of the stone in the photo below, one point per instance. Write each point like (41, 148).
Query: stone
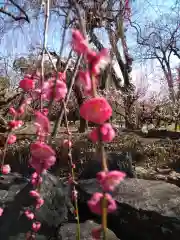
(68, 231)
(141, 172)
(162, 133)
(164, 171)
(15, 199)
(116, 161)
(146, 209)
(161, 177)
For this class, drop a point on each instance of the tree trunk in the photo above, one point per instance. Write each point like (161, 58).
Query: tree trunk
(83, 125)
(130, 113)
(168, 75)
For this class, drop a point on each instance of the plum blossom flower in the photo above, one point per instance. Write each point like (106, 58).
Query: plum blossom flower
(42, 122)
(67, 143)
(61, 76)
(40, 165)
(27, 84)
(27, 101)
(11, 139)
(96, 110)
(109, 180)
(40, 202)
(5, 169)
(36, 226)
(21, 110)
(58, 94)
(107, 133)
(74, 195)
(96, 233)
(1, 211)
(14, 124)
(34, 175)
(79, 43)
(41, 150)
(96, 60)
(42, 156)
(85, 80)
(12, 111)
(29, 214)
(34, 194)
(99, 61)
(95, 203)
(45, 111)
(36, 178)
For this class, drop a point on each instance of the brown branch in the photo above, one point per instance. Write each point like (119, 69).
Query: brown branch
(16, 18)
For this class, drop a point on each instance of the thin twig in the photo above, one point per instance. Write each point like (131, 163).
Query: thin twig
(51, 60)
(16, 18)
(68, 61)
(56, 70)
(59, 59)
(66, 21)
(71, 165)
(44, 48)
(61, 113)
(81, 20)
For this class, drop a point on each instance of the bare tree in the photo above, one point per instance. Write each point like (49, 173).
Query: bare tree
(159, 39)
(109, 15)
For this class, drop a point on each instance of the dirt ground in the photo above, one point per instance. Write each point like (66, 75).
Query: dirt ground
(153, 152)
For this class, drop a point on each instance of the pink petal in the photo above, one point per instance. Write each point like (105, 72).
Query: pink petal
(96, 110)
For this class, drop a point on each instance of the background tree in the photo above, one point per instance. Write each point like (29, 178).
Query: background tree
(160, 40)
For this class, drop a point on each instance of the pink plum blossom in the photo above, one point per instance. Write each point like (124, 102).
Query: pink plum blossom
(36, 226)
(79, 43)
(27, 84)
(5, 169)
(29, 214)
(34, 194)
(14, 124)
(41, 150)
(1, 211)
(11, 139)
(42, 122)
(95, 203)
(56, 94)
(107, 133)
(12, 111)
(109, 180)
(96, 110)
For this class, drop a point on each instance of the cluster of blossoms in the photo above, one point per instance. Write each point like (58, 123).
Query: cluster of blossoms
(11, 138)
(42, 154)
(13, 124)
(97, 110)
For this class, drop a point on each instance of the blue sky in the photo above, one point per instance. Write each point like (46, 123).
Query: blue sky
(16, 42)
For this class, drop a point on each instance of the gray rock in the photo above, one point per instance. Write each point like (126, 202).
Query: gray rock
(68, 231)
(116, 161)
(15, 199)
(147, 210)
